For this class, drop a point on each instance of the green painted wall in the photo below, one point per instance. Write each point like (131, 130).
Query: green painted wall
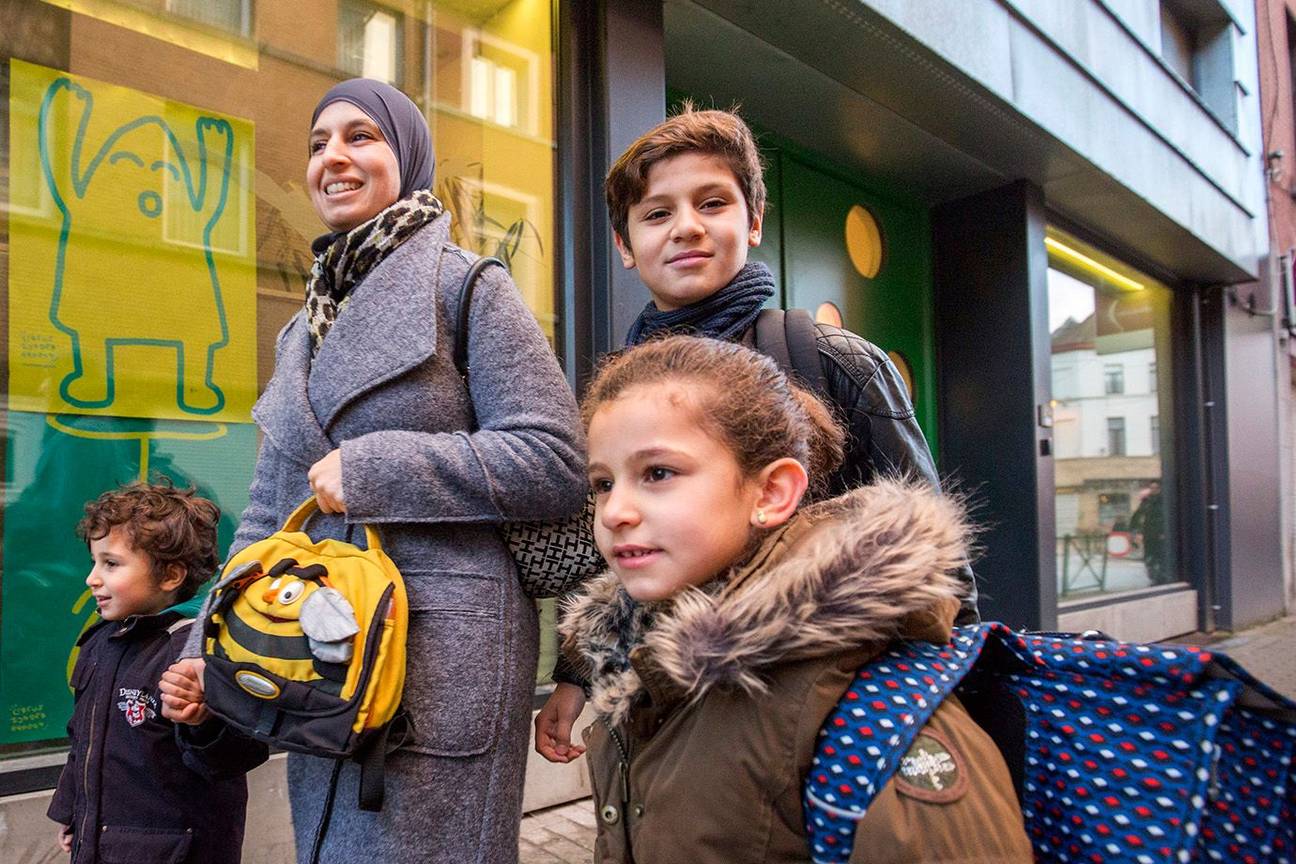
(893, 309)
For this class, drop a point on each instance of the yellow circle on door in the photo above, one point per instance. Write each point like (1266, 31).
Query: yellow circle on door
(905, 370)
(828, 313)
(863, 242)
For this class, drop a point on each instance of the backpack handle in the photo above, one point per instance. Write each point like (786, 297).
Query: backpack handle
(298, 518)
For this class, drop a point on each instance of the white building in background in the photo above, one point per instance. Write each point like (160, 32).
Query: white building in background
(1106, 404)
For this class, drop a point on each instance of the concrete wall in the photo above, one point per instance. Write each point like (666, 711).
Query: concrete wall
(28, 837)
(1275, 20)
(1089, 74)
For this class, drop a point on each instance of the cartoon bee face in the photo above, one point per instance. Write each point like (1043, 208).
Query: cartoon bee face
(288, 621)
(286, 591)
(281, 593)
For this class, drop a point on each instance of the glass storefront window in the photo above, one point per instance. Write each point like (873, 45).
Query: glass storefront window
(1110, 333)
(154, 239)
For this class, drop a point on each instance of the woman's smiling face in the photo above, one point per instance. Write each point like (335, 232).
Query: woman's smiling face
(352, 174)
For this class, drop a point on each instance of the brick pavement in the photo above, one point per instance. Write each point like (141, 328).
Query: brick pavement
(558, 835)
(1268, 652)
(565, 834)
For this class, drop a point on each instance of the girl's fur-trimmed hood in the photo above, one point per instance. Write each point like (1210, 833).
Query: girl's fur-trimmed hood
(868, 567)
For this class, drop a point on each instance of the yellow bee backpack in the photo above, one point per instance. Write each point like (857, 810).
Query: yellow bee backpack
(304, 643)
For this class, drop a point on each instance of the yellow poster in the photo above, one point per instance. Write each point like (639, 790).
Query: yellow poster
(132, 277)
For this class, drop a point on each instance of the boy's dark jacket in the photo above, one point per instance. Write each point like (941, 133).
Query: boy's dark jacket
(136, 787)
(882, 434)
(721, 693)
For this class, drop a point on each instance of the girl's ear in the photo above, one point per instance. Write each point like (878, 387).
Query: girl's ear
(781, 483)
(174, 577)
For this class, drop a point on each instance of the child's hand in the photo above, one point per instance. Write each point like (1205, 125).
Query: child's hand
(553, 725)
(65, 838)
(182, 692)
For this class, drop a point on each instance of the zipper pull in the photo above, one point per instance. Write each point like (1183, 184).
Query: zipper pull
(625, 784)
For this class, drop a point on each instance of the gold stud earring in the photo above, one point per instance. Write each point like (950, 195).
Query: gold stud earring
(760, 517)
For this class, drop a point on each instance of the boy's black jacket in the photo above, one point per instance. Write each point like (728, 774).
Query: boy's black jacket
(136, 787)
(882, 434)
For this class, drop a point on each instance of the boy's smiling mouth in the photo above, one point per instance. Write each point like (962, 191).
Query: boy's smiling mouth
(692, 256)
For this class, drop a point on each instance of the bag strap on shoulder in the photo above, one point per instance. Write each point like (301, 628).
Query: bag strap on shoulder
(803, 348)
(877, 720)
(465, 306)
(790, 338)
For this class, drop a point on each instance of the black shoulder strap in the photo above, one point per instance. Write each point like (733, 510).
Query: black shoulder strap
(465, 305)
(790, 338)
(771, 338)
(803, 345)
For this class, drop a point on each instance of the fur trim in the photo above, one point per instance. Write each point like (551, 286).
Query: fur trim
(884, 556)
(601, 626)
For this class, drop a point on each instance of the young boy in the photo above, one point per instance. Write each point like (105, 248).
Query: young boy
(686, 202)
(137, 787)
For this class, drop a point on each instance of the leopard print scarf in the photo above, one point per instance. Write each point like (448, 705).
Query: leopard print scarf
(345, 262)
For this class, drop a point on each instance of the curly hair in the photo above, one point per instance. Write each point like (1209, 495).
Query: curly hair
(169, 525)
(745, 401)
(714, 133)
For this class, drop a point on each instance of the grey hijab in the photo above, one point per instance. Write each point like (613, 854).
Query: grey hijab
(400, 122)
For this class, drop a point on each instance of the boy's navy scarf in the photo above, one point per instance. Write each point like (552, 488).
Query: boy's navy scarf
(726, 314)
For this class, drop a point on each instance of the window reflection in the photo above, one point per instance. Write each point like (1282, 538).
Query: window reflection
(259, 67)
(369, 41)
(232, 16)
(1109, 326)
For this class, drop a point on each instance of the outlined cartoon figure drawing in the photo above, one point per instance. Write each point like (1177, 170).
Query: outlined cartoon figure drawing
(135, 262)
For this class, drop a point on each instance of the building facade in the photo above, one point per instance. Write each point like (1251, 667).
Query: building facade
(1276, 46)
(1055, 217)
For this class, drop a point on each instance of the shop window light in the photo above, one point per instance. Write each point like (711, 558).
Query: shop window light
(1097, 268)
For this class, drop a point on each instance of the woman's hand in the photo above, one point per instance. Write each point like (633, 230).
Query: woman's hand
(326, 482)
(553, 725)
(183, 700)
(65, 838)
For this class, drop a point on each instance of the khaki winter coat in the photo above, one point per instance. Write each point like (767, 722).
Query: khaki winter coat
(709, 705)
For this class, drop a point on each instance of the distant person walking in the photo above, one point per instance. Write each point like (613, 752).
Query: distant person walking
(1149, 521)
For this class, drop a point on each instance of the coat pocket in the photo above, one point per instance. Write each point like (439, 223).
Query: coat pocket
(82, 674)
(454, 678)
(119, 844)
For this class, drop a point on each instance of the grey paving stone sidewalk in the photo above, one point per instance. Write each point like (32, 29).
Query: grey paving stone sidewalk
(559, 835)
(1268, 652)
(565, 834)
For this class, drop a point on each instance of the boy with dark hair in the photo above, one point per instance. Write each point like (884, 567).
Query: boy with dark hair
(137, 787)
(686, 201)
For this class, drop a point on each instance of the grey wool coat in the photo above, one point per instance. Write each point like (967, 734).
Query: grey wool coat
(384, 389)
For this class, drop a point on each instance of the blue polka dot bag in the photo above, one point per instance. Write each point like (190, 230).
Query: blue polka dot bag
(1119, 752)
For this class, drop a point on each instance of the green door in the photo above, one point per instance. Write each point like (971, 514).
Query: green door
(868, 254)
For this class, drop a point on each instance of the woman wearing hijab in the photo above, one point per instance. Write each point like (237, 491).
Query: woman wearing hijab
(367, 411)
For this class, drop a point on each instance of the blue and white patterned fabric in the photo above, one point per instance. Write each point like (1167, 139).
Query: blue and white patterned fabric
(1128, 753)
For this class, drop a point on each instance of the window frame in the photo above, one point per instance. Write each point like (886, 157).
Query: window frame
(1192, 365)
(361, 6)
(1114, 379)
(1120, 446)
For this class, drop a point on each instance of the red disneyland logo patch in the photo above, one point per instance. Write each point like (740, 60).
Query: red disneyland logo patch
(137, 705)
